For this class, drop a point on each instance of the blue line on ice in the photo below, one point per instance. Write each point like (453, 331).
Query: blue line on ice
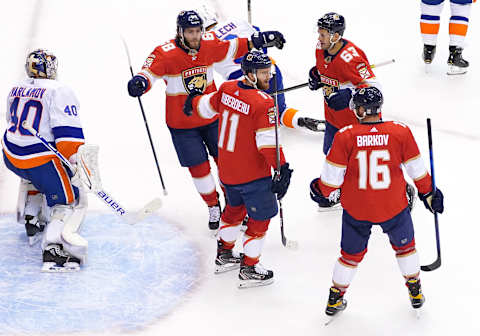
(135, 275)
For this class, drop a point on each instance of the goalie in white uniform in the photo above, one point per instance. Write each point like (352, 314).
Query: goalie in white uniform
(49, 192)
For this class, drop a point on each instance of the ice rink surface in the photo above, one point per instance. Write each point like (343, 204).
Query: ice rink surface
(85, 36)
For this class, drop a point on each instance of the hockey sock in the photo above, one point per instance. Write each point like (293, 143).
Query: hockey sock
(253, 240)
(458, 23)
(204, 182)
(430, 20)
(34, 203)
(230, 224)
(345, 269)
(408, 260)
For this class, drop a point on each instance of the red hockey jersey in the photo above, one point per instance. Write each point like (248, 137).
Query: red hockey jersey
(183, 72)
(349, 68)
(246, 138)
(365, 161)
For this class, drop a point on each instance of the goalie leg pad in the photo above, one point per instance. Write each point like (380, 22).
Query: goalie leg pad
(29, 201)
(64, 226)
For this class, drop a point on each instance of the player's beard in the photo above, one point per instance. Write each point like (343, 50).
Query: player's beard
(263, 85)
(194, 44)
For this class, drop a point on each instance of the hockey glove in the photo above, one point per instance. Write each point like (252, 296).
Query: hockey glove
(312, 124)
(433, 202)
(317, 196)
(267, 39)
(187, 106)
(137, 86)
(281, 182)
(339, 100)
(314, 82)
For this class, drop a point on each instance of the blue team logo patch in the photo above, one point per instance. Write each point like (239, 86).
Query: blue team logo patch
(195, 79)
(135, 275)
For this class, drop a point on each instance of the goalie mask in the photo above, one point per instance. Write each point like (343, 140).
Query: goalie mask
(41, 63)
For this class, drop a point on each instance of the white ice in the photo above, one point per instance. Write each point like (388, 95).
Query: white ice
(85, 36)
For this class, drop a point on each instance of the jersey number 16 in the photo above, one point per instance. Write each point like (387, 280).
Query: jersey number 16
(373, 169)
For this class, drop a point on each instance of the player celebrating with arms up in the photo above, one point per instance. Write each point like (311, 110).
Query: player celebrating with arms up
(365, 162)
(247, 153)
(186, 65)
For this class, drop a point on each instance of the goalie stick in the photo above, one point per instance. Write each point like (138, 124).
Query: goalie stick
(290, 244)
(436, 264)
(299, 86)
(93, 182)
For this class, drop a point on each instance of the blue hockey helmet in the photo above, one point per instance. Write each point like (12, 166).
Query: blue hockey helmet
(254, 60)
(41, 63)
(370, 98)
(333, 23)
(188, 19)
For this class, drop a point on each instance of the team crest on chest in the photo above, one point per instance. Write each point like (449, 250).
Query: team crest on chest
(195, 79)
(329, 85)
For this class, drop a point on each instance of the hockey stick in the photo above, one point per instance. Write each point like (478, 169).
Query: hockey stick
(107, 199)
(145, 121)
(249, 8)
(291, 244)
(299, 86)
(436, 264)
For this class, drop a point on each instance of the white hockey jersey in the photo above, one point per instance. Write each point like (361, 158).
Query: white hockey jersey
(49, 107)
(226, 31)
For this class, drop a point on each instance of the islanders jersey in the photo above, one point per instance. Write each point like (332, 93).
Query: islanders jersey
(348, 68)
(49, 107)
(229, 30)
(246, 139)
(183, 72)
(365, 162)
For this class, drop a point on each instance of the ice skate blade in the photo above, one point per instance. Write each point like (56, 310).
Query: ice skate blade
(428, 68)
(35, 239)
(223, 269)
(253, 283)
(418, 313)
(454, 70)
(330, 318)
(69, 267)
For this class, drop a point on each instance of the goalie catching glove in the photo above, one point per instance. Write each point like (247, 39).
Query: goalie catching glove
(85, 162)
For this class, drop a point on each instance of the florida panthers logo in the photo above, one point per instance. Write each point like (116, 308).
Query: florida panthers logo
(271, 115)
(195, 79)
(329, 85)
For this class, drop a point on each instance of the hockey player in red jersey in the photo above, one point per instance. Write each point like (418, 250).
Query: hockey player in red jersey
(365, 162)
(247, 154)
(186, 64)
(341, 67)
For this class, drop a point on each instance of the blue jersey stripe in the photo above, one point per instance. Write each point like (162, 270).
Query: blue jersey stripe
(25, 150)
(67, 132)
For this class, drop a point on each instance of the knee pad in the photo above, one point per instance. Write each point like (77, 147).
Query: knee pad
(352, 260)
(234, 215)
(256, 228)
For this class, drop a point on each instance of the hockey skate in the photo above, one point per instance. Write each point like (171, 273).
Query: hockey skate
(312, 124)
(56, 260)
(415, 292)
(336, 302)
(456, 64)
(214, 217)
(411, 197)
(428, 53)
(254, 276)
(34, 229)
(226, 260)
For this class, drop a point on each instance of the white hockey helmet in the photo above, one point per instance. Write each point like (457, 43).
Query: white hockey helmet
(208, 14)
(41, 63)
